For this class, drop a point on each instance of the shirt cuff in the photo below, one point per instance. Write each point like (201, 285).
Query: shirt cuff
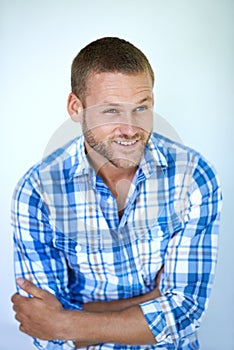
(54, 344)
(160, 320)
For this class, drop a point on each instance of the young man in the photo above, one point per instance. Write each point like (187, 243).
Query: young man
(117, 230)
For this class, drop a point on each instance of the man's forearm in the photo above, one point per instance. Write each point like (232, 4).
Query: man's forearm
(116, 305)
(128, 326)
(122, 304)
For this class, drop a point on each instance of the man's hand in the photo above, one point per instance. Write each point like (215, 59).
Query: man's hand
(40, 316)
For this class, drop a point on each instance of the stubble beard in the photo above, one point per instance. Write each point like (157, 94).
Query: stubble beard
(129, 160)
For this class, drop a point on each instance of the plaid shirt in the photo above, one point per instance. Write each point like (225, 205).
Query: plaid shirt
(70, 241)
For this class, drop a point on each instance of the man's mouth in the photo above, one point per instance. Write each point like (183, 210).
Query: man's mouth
(126, 143)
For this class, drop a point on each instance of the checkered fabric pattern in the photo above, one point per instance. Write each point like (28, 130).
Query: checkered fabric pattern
(70, 241)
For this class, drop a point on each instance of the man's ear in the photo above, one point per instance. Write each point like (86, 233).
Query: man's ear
(74, 107)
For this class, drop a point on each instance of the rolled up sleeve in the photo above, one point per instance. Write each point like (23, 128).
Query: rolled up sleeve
(189, 264)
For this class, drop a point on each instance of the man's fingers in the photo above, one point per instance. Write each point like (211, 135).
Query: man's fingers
(16, 298)
(22, 329)
(18, 317)
(30, 288)
(15, 307)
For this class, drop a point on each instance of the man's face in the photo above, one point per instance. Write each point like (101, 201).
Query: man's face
(117, 121)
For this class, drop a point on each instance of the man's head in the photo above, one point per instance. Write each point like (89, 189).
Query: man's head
(112, 97)
(110, 55)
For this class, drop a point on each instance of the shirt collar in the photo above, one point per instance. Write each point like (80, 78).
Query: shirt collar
(81, 164)
(153, 156)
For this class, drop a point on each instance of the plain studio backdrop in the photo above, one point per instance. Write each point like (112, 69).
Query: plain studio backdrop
(190, 46)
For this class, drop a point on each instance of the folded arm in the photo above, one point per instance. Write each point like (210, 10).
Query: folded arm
(35, 257)
(43, 317)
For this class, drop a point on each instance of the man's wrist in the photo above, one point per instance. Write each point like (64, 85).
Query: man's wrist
(66, 331)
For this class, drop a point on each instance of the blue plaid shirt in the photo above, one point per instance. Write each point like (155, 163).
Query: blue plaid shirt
(70, 241)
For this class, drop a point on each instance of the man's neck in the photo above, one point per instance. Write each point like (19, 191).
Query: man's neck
(118, 180)
(110, 173)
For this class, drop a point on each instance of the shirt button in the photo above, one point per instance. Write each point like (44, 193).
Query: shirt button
(78, 248)
(130, 279)
(120, 236)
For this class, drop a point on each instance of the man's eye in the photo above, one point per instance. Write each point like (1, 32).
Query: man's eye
(141, 108)
(111, 111)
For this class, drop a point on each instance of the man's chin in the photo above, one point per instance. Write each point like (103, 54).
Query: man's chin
(124, 163)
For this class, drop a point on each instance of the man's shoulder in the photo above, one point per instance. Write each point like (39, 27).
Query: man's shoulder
(174, 151)
(186, 163)
(168, 145)
(182, 157)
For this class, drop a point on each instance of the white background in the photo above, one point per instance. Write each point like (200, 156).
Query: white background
(190, 46)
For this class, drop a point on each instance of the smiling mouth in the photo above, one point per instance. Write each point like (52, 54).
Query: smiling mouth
(126, 143)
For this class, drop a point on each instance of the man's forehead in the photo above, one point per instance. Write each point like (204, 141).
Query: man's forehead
(118, 78)
(118, 88)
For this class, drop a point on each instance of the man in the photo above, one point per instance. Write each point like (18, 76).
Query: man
(116, 232)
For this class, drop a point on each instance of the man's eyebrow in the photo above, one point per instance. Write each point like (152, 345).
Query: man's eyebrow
(145, 99)
(114, 104)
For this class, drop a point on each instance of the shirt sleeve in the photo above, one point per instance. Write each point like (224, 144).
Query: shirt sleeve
(35, 256)
(189, 264)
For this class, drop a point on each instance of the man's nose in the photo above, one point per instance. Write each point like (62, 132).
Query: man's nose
(127, 125)
(127, 130)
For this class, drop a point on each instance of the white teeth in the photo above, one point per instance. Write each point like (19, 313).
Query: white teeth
(126, 143)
